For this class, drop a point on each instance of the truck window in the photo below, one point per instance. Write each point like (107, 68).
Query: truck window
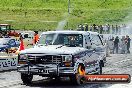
(46, 39)
(96, 40)
(75, 40)
(87, 42)
(69, 40)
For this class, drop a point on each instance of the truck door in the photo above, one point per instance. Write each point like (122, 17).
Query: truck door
(91, 58)
(98, 46)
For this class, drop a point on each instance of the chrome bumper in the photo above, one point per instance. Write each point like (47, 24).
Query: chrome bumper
(47, 70)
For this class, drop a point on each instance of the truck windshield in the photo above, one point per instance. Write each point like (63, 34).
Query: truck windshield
(62, 39)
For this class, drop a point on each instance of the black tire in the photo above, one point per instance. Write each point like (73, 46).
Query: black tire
(73, 79)
(77, 79)
(102, 63)
(27, 79)
(57, 79)
(100, 68)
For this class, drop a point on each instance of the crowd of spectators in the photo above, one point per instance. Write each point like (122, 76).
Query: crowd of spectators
(102, 29)
(120, 43)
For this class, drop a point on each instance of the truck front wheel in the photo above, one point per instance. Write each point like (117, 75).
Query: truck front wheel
(78, 78)
(26, 78)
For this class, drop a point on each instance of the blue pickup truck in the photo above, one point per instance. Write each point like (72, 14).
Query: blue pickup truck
(7, 43)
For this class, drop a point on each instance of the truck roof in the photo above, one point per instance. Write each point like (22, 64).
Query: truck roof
(70, 32)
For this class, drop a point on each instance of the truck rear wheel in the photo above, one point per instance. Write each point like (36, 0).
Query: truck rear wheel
(102, 63)
(26, 78)
(100, 68)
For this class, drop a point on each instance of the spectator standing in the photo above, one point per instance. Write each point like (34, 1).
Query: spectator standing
(108, 27)
(94, 27)
(21, 47)
(123, 29)
(83, 27)
(97, 28)
(119, 29)
(91, 28)
(116, 29)
(116, 43)
(36, 37)
(86, 27)
(79, 27)
(112, 39)
(128, 43)
(111, 44)
(101, 29)
(105, 28)
(113, 29)
(123, 45)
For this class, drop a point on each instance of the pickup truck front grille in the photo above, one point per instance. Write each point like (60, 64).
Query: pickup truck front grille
(44, 59)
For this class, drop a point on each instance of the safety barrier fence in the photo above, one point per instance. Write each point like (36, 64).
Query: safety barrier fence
(8, 62)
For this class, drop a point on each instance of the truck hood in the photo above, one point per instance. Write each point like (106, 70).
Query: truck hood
(53, 49)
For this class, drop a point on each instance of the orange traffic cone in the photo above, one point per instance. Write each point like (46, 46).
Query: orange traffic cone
(21, 47)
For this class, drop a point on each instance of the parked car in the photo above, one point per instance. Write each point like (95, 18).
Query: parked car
(8, 43)
(28, 34)
(63, 53)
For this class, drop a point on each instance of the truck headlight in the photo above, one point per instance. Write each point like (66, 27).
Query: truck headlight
(22, 59)
(67, 58)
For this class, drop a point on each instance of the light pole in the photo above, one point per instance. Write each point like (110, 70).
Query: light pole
(68, 6)
(68, 11)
